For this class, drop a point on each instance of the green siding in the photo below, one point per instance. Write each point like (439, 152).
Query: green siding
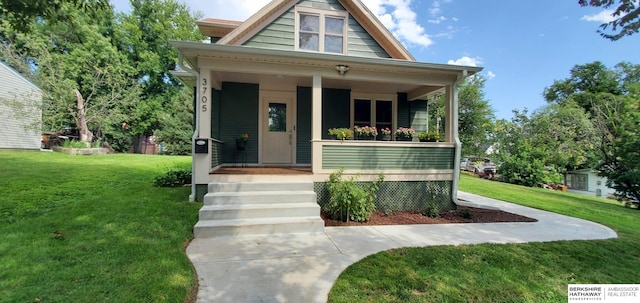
(280, 34)
(361, 44)
(418, 113)
(386, 157)
(303, 133)
(323, 4)
(239, 104)
(336, 106)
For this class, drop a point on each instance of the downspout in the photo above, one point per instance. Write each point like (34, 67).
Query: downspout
(456, 136)
(196, 131)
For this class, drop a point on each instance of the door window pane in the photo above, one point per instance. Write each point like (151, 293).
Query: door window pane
(362, 112)
(277, 117)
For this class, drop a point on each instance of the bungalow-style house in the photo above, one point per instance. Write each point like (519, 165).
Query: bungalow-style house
(588, 182)
(19, 129)
(282, 79)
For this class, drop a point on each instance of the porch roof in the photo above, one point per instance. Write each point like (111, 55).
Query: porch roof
(416, 78)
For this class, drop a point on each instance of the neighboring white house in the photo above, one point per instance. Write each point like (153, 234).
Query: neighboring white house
(17, 131)
(587, 182)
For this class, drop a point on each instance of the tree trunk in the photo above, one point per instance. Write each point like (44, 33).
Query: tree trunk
(85, 135)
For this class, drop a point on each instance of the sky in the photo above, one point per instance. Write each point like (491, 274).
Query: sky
(523, 46)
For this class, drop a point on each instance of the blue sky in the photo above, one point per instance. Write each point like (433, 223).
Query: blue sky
(523, 45)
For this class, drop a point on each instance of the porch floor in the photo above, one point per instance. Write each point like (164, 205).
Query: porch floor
(264, 170)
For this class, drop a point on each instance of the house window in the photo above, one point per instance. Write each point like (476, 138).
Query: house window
(321, 31)
(375, 111)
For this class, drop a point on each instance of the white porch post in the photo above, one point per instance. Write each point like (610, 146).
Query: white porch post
(452, 131)
(202, 162)
(316, 123)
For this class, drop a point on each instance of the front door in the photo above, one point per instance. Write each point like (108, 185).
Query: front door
(278, 128)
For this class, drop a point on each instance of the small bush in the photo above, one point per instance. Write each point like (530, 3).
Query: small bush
(465, 213)
(74, 144)
(173, 178)
(432, 211)
(349, 200)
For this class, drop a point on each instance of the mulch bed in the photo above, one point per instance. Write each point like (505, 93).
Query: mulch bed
(478, 215)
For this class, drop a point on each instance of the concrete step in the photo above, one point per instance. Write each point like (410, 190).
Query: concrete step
(245, 211)
(259, 186)
(257, 197)
(257, 226)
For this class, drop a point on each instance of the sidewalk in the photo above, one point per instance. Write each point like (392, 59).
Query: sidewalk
(303, 267)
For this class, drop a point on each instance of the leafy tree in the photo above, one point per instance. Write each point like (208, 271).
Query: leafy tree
(611, 99)
(627, 17)
(475, 120)
(144, 35)
(86, 80)
(177, 125)
(21, 14)
(475, 117)
(520, 158)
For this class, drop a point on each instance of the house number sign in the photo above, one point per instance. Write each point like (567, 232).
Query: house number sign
(203, 97)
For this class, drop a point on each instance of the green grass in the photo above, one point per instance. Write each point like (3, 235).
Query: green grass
(93, 229)
(532, 272)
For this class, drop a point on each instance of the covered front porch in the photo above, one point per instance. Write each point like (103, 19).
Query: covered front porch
(286, 101)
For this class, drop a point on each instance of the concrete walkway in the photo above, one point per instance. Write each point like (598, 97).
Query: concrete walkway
(303, 267)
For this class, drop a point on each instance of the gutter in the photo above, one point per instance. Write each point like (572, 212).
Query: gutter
(456, 135)
(196, 131)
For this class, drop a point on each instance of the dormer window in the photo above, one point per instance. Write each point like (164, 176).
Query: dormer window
(320, 30)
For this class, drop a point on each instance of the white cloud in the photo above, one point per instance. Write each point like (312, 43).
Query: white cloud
(602, 17)
(437, 20)
(490, 75)
(400, 19)
(466, 61)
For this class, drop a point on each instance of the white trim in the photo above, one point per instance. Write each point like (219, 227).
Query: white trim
(322, 15)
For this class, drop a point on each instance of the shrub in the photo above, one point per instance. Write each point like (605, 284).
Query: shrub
(74, 144)
(173, 178)
(351, 200)
(465, 213)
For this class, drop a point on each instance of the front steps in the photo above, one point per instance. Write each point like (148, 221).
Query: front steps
(257, 208)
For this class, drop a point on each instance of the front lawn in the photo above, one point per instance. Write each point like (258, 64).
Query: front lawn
(533, 272)
(93, 229)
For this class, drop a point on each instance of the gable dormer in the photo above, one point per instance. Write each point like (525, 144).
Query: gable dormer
(325, 26)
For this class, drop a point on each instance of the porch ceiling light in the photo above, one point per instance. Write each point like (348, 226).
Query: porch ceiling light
(342, 69)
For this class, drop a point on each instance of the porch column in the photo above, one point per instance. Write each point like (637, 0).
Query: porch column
(316, 123)
(202, 162)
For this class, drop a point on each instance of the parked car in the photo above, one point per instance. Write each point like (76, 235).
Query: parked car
(468, 163)
(485, 168)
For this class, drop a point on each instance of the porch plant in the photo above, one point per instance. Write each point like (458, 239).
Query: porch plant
(386, 134)
(430, 136)
(405, 134)
(341, 133)
(241, 142)
(365, 132)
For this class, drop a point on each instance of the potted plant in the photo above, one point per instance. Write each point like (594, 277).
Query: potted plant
(365, 132)
(241, 142)
(341, 133)
(405, 134)
(386, 134)
(430, 136)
